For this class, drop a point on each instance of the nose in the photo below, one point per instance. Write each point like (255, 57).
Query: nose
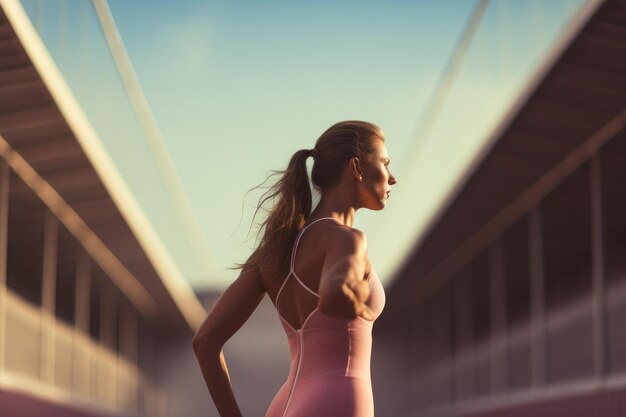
(392, 179)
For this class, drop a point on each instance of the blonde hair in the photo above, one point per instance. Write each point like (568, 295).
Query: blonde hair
(292, 193)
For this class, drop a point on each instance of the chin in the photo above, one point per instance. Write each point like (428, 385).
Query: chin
(379, 206)
(375, 204)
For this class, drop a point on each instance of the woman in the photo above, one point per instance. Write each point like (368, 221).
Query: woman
(325, 290)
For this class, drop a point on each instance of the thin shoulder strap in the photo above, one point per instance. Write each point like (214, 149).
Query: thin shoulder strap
(293, 257)
(295, 245)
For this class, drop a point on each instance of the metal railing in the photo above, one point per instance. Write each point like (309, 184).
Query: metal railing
(76, 368)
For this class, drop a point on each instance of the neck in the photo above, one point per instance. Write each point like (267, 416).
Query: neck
(336, 207)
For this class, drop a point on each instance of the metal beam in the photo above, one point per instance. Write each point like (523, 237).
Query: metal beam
(195, 240)
(99, 252)
(531, 197)
(126, 203)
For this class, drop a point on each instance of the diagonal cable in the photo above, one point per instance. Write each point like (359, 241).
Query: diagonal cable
(199, 247)
(437, 99)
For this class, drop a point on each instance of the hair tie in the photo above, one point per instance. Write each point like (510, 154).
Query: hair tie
(313, 153)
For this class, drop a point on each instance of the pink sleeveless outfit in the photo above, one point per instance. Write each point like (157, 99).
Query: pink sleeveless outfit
(330, 359)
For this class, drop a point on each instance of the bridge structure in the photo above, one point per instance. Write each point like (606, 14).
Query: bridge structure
(509, 302)
(88, 290)
(512, 300)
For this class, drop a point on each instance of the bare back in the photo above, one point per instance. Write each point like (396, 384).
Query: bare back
(295, 295)
(330, 355)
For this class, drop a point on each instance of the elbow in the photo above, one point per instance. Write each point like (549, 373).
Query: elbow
(202, 343)
(327, 309)
(197, 342)
(338, 304)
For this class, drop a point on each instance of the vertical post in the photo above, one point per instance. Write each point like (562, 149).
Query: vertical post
(82, 313)
(48, 296)
(149, 351)
(597, 264)
(4, 235)
(418, 370)
(429, 339)
(537, 298)
(108, 335)
(497, 283)
(127, 330)
(107, 326)
(82, 290)
(407, 360)
(448, 323)
(463, 333)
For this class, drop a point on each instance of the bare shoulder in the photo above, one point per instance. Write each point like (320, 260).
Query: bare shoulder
(346, 261)
(346, 241)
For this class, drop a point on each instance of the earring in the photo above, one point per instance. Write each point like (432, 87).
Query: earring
(360, 178)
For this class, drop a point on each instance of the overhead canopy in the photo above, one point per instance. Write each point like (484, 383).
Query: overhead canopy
(47, 140)
(578, 102)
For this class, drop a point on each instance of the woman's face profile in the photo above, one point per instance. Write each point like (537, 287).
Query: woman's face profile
(377, 179)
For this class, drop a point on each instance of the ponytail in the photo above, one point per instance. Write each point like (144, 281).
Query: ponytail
(292, 199)
(291, 194)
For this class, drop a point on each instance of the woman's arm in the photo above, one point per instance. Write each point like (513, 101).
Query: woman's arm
(229, 313)
(343, 289)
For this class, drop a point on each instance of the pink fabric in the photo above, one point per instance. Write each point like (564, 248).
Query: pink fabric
(330, 361)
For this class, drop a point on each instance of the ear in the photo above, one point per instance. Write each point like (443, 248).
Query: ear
(356, 168)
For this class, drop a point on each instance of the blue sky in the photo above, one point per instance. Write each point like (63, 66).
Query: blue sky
(238, 87)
